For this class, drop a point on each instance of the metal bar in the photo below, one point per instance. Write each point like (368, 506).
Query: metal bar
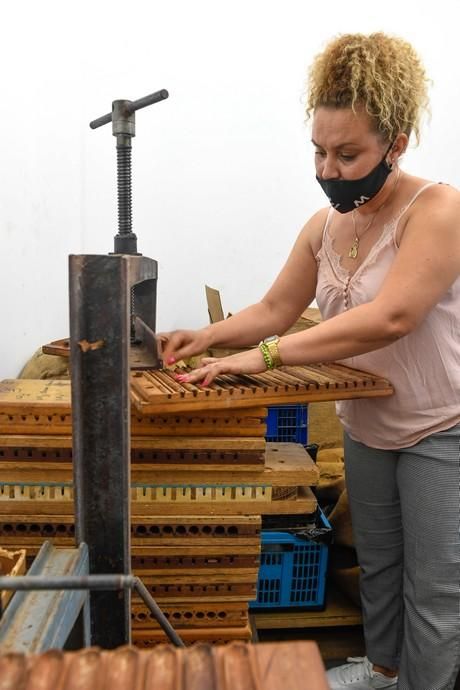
(36, 621)
(93, 582)
(148, 100)
(99, 341)
(132, 106)
(150, 602)
(45, 583)
(103, 120)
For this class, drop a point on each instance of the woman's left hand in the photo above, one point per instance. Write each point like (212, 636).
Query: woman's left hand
(250, 362)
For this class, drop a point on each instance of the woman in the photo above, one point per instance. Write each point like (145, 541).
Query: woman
(384, 263)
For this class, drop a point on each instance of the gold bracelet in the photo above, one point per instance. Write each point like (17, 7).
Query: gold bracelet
(273, 349)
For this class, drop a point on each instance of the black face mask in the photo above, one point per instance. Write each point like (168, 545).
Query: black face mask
(345, 195)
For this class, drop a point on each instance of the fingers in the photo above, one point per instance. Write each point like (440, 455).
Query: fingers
(203, 375)
(251, 362)
(177, 345)
(209, 360)
(162, 340)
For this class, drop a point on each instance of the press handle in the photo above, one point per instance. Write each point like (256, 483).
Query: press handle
(131, 107)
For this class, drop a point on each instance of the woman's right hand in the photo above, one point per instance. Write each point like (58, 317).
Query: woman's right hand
(179, 345)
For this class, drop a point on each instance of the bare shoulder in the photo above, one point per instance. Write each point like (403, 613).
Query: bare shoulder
(312, 232)
(439, 198)
(441, 191)
(437, 209)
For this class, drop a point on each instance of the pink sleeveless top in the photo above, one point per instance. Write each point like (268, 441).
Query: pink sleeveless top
(424, 366)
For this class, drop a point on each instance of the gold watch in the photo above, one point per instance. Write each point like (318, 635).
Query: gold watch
(272, 346)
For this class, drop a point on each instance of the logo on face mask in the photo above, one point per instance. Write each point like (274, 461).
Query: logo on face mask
(361, 201)
(345, 195)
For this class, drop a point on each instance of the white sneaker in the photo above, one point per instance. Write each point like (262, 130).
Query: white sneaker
(358, 675)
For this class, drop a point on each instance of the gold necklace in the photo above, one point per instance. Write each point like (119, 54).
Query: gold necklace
(353, 251)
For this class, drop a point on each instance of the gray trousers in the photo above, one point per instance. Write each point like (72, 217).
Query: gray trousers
(405, 509)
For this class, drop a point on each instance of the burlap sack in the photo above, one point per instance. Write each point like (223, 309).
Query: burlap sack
(41, 366)
(324, 427)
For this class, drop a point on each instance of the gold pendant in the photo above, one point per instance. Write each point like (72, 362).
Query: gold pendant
(353, 252)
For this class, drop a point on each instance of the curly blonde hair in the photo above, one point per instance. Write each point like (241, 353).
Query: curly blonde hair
(377, 72)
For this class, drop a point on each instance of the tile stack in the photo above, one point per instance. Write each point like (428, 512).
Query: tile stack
(270, 666)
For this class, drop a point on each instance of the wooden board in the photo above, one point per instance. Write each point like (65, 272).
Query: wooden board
(150, 638)
(335, 644)
(161, 530)
(339, 611)
(45, 397)
(46, 498)
(176, 562)
(56, 459)
(226, 589)
(207, 423)
(23, 415)
(157, 391)
(286, 464)
(162, 443)
(216, 614)
(246, 453)
(212, 552)
(161, 536)
(204, 577)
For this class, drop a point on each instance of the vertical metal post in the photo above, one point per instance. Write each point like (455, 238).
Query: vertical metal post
(99, 337)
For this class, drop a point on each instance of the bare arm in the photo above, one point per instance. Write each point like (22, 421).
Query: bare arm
(427, 264)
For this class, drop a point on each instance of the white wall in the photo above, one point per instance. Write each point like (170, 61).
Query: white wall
(223, 172)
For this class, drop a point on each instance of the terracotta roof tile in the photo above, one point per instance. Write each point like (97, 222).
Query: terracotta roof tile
(201, 667)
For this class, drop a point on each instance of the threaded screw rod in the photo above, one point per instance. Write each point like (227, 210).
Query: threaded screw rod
(124, 128)
(124, 188)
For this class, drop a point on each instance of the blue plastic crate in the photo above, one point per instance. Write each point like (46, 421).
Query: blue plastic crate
(287, 424)
(292, 571)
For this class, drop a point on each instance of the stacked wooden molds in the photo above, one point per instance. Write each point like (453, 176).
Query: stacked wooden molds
(200, 482)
